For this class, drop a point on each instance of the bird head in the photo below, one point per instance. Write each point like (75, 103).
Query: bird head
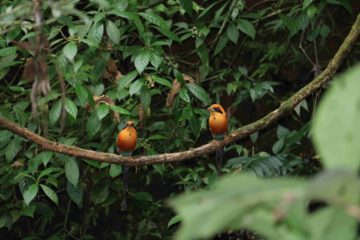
(216, 108)
(130, 124)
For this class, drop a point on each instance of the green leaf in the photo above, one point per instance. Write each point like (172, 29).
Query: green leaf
(102, 110)
(306, 3)
(50, 193)
(162, 81)
(115, 170)
(155, 19)
(30, 193)
(336, 128)
(81, 93)
(55, 112)
(135, 87)
(332, 223)
(71, 108)
(247, 27)
(72, 171)
(113, 32)
(96, 33)
(184, 95)
(199, 92)
(168, 33)
(187, 6)
(43, 157)
(174, 220)
(241, 196)
(70, 51)
(127, 79)
(93, 125)
(279, 144)
(12, 149)
(142, 60)
(155, 60)
(233, 33)
(120, 110)
(223, 40)
(75, 193)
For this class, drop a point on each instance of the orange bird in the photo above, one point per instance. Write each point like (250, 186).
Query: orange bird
(218, 123)
(126, 144)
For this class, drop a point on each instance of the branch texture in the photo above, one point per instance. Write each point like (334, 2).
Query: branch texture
(272, 117)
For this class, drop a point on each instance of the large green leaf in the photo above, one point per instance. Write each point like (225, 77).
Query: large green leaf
(336, 128)
(199, 92)
(12, 149)
(142, 60)
(70, 51)
(113, 32)
(233, 33)
(72, 171)
(50, 193)
(75, 193)
(71, 108)
(30, 193)
(55, 112)
(247, 27)
(228, 204)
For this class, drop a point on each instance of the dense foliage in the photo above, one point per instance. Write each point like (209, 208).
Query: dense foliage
(96, 64)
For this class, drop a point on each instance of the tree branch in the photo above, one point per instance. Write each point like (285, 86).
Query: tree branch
(284, 109)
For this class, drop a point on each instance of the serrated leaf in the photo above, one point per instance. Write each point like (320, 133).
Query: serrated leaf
(113, 32)
(142, 60)
(55, 112)
(155, 60)
(199, 92)
(30, 193)
(96, 33)
(247, 27)
(50, 193)
(72, 171)
(233, 33)
(70, 51)
(135, 87)
(71, 108)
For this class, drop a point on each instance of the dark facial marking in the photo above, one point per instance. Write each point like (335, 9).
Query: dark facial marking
(218, 110)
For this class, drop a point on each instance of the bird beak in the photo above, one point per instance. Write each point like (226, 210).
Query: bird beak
(210, 109)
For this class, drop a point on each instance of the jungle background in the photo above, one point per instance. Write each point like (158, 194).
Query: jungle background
(75, 71)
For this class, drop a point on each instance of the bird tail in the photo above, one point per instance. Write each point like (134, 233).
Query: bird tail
(125, 188)
(219, 159)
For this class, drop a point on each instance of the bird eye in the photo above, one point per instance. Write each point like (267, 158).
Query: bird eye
(218, 110)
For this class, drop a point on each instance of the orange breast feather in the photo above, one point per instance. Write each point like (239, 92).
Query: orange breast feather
(218, 123)
(126, 140)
